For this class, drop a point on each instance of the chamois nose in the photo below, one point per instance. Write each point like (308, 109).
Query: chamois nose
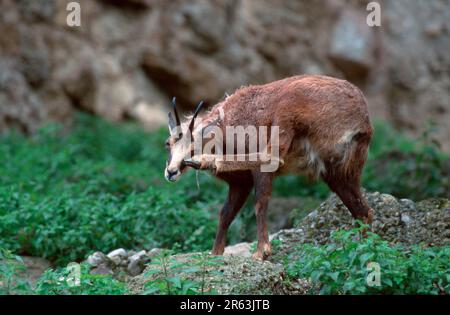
(171, 175)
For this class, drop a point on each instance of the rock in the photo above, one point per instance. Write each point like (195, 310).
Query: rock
(131, 253)
(232, 275)
(63, 69)
(397, 221)
(406, 219)
(417, 65)
(353, 45)
(102, 269)
(408, 203)
(137, 4)
(43, 10)
(151, 117)
(241, 250)
(278, 212)
(286, 234)
(120, 263)
(248, 53)
(118, 256)
(313, 214)
(128, 58)
(136, 263)
(20, 108)
(97, 258)
(154, 252)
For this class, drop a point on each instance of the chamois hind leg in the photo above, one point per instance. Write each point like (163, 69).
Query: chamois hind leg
(240, 186)
(263, 185)
(351, 196)
(344, 180)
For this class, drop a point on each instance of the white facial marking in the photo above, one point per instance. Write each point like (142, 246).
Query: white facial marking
(180, 150)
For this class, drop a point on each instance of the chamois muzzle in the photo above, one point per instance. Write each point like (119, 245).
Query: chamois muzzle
(172, 175)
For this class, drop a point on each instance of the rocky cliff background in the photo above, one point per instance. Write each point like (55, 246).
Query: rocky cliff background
(129, 57)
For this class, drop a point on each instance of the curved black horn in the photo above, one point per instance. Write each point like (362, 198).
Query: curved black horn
(197, 110)
(174, 104)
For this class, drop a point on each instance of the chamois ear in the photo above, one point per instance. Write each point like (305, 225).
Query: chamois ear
(172, 123)
(197, 110)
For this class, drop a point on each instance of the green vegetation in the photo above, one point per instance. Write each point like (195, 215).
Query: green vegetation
(100, 187)
(406, 168)
(63, 281)
(11, 266)
(341, 267)
(166, 274)
(64, 195)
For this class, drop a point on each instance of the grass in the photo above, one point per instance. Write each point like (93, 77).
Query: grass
(350, 264)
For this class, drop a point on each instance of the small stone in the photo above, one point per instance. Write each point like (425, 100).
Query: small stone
(241, 249)
(118, 255)
(313, 214)
(97, 258)
(408, 203)
(154, 252)
(137, 262)
(102, 269)
(387, 198)
(406, 219)
(434, 29)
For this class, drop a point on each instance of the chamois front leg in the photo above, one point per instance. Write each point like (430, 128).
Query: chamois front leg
(199, 163)
(263, 184)
(240, 186)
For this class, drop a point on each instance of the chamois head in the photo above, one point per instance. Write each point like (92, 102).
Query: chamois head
(180, 144)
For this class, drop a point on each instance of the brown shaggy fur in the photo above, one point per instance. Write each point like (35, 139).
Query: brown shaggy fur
(325, 132)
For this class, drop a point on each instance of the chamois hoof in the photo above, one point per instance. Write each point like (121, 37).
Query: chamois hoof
(262, 254)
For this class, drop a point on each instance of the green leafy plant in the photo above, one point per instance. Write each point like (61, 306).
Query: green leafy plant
(171, 276)
(341, 267)
(63, 281)
(11, 266)
(98, 187)
(413, 169)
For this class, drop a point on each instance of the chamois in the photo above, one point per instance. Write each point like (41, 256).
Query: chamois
(324, 132)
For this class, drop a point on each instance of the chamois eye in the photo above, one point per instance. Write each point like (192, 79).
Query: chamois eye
(167, 144)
